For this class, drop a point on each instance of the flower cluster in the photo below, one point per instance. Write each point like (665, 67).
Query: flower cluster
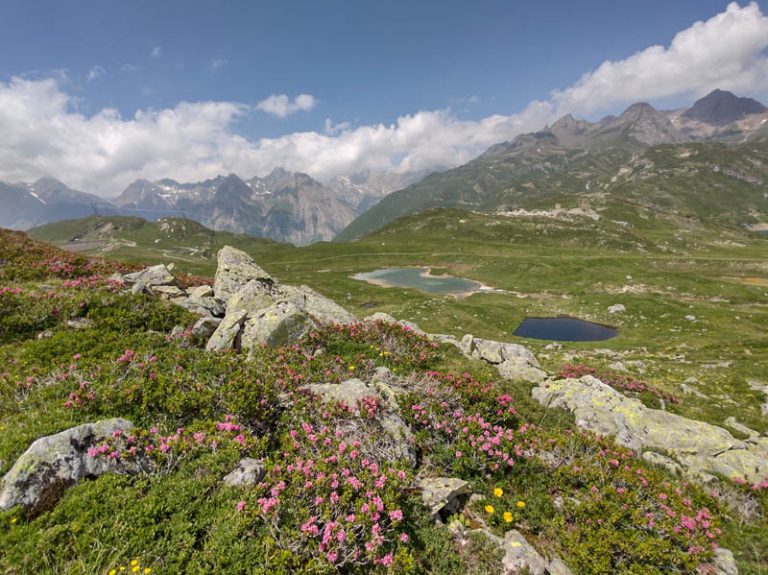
(324, 499)
(617, 381)
(134, 566)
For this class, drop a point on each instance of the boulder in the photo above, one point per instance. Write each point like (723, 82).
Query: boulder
(443, 495)
(53, 463)
(81, 323)
(512, 361)
(616, 308)
(247, 472)
(519, 369)
(159, 275)
(318, 307)
(198, 292)
(396, 441)
(280, 324)
(251, 298)
(380, 316)
(226, 335)
(168, 291)
(557, 567)
(234, 270)
(700, 448)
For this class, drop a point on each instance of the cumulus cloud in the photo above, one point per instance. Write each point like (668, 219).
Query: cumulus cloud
(95, 72)
(281, 105)
(45, 135)
(156, 52)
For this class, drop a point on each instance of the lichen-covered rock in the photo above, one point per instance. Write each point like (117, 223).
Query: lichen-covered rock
(53, 463)
(380, 316)
(702, 449)
(251, 298)
(496, 352)
(442, 495)
(234, 270)
(396, 436)
(168, 291)
(280, 324)
(248, 471)
(317, 306)
(520, 557)
(557, 567)
(226, 335)
(725, 562)
(520, 369)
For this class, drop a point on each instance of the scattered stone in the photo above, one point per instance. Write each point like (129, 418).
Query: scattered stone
(443, 338)
(617, 308)
(45, 334)
(762, 388)
(740, 427)
(702, 449)
(618, 366)
(513, 361)
(725, 562)
(226, 334)
(691, 318)
(54, 463)
(248, 471)
(443, 495)
(688, 390)
(380, 316)
(234, 270)
(81, 323)
(168, 291)
(280, 324)
(200, 291)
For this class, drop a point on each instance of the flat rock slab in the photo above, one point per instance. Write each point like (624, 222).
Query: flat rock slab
(701, 448)
(442, 494)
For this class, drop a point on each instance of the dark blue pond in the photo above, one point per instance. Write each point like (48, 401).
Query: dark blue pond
(564, 329)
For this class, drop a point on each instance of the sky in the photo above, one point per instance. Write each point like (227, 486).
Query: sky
(100, 93)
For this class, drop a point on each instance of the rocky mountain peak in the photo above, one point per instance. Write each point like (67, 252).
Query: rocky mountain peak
(720, 107)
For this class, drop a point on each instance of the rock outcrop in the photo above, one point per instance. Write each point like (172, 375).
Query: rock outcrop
(700, 448)
(513, 361)
(247, 472)
(443, 495)
(54, 463)
(234, 270)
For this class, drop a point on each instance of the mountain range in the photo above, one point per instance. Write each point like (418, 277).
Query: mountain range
(570, 157)
(577, 157)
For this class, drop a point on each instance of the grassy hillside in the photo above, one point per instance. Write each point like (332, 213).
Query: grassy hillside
(567, 491)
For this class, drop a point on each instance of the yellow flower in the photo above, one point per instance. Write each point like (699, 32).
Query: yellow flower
(507, 517)
(520, 504)
(122, 568)
(489, 509)
(135, 569)
(498, 492)
(351, 368)
(147, 570)
(14, 519)
(113, 572)
(134, 562)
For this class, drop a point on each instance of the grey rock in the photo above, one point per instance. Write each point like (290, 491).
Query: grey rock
(380, 316)
(411, 326)
(280, 324)
(740, 427)
(557, 567)
(205, 327)
(496, 352)
(251, 298)
(725, 562)
(54, 463)
(248, 471)
(226, 335)
(168, 291)
(443, 495)
(518, 369)
(519, 555)
(443, 338)
(318, 307)
(81, 323)
(617, 308)
(234, 270)
(159, 275)
(662, 461)
(700, 448)
(202, 291)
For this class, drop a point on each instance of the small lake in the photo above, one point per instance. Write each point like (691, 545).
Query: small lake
(564, 329)
(420, 279)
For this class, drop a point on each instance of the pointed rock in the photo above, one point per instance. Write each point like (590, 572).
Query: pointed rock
(234, 270)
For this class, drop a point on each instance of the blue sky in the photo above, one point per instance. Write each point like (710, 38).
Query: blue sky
(360, 64)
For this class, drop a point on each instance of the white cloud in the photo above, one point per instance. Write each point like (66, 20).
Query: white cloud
(281, 105)
(156, 52)
(218, 63)
(44, 134)
(95, 72)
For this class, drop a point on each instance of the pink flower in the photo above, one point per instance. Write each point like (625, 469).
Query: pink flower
(458, 454)
(404, 537)
(387, 560)
(240, 506)
(332, 556)
(396, 515)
